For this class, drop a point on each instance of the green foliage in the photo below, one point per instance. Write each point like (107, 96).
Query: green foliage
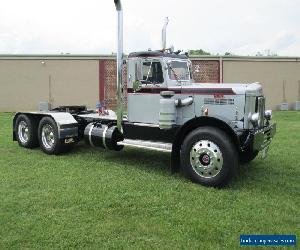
(93, 198)
(266, 52)
(198, 52)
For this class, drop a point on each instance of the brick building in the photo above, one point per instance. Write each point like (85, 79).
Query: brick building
(25, 80)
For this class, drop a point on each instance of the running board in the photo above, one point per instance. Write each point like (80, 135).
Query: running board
(150, 145)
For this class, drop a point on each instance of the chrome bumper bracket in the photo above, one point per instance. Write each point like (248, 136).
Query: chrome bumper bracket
(263, 137)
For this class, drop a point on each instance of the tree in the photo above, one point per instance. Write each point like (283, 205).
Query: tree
(267, 52)
(228, 53)
(198, 52)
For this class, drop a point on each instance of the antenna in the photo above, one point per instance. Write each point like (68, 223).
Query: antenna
(164, 34)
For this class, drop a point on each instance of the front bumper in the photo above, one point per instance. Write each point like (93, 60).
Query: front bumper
(262, 138)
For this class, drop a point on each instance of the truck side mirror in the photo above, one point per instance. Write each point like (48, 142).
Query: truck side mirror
(138, 71)
(136, 85)
(137, 81)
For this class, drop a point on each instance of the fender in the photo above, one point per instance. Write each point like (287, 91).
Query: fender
(66, 123)
(194, 123)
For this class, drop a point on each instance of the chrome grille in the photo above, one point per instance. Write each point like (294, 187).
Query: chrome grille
(261, 110)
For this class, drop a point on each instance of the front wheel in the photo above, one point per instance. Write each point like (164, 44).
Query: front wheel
(209, 157)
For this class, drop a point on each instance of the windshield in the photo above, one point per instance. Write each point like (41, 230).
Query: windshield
(179, 71)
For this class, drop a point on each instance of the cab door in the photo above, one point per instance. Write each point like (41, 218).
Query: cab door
(143, 102)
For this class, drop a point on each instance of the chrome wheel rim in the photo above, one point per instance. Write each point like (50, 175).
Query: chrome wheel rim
(23, 132)
(206, 159)
(48, 139)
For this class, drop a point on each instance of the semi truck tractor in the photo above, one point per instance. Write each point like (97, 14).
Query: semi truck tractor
(207, 128)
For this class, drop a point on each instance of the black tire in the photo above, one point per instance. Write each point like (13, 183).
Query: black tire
(247, 156)
(216, 160)
(31, 138)
(54, 145)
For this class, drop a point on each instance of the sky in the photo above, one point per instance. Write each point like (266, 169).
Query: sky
(242, 27)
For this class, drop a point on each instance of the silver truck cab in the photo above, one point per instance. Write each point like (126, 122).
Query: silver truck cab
(152, 72)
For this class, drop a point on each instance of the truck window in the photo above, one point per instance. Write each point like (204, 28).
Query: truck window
(179, 71)
(152, 72)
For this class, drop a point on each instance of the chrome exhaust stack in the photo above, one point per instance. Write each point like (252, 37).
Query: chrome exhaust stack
(164, 34)
(119, 65)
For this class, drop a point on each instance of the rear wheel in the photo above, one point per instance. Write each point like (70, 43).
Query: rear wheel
(26, 131)
(209, 157)
(49, 138)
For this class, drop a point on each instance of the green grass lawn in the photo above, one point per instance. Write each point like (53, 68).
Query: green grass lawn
(91, 198)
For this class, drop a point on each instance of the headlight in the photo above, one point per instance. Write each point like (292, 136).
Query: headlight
(254, 119)
(268, 114)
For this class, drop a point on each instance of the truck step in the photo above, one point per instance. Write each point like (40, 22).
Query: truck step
(150, 145)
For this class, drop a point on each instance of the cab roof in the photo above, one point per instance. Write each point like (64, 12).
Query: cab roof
(156, 53)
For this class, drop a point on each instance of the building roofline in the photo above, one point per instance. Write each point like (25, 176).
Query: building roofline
(113, 56)
(246, 58)
(57, 56)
